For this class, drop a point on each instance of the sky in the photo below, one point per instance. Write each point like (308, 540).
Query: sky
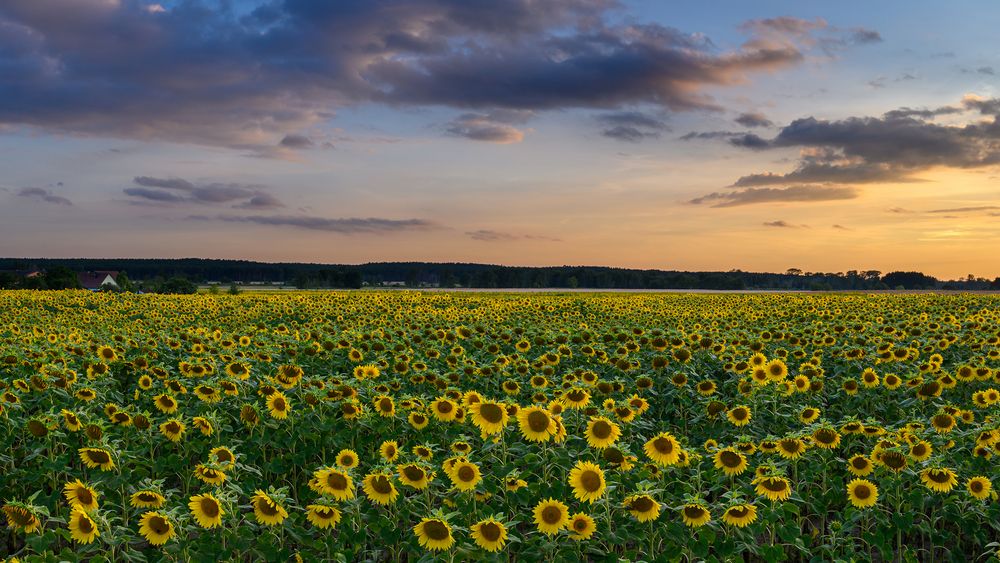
(678, 135)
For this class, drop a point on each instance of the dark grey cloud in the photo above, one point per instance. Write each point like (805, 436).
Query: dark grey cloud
(349, 226)
(293, 141)
(42, 194)
(488, 235)
(180, 191)
(782, 224)
(753, 119)
(710, 135)
(497, 126)
(632, 126)
(890, 148)
(966, 209)
(987, 70)
(792, 194)
(861, 35)
(206, 72)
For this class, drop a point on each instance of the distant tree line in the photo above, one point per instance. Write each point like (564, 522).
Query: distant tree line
(182, 276)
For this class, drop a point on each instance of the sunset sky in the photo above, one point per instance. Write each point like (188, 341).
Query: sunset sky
(673, 135)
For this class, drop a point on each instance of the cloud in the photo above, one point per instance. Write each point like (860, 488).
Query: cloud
(42, 194)
(710, 135)
(349, 226)
(180, 191)
(631, 126)
(842, 228)
(499, 236)
(753, 119)
(899, 210)
(987, 70)
(782, 224)
(966, 209)
(494, 127)
(254, 78)
(890, 148)
(793, 194)
(296, 142)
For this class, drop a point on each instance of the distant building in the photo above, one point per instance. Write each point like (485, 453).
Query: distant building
(98, 279)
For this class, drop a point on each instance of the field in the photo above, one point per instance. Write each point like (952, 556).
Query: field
(441, 426)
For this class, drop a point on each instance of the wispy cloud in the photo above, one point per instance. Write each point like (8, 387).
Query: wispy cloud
(488, 235)
(792, 194)
(782, 224)
(180, 191)
(44, 195)
(349, 226)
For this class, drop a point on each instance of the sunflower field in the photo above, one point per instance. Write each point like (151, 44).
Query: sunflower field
(407, 426)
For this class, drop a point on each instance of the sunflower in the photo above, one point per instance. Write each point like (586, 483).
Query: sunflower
(862, 493)
(389, 450)
(489, 416)
(489, 534)
(81, 495)
(730, 461)
(739, 416)
(663, 449)
(695, 515)
(82, 527)
(413, 475)
(602, 432)
(95, 458)
(587, 480)
(147, 499)
(740, 515)
(940, 479)
(774, 488)
(106, 354)
(379, 489)
(859, 465)
(434, 534)
(209, 475)
(71, 421)
(921, 451)
(826, 438)
(582, 526)
(21, 517)
(156, 528)
(444, 409)
(347, 459)
(776, 370)
(323, 516)
(465, 475)
(943, 423)
(514, 484)
(643, 507)
(417, 420)
(173, 429)
(335, 483)
(266, 510)
(537, 424)
(278, 405)
(207, 510)
(223, 456)
(791, 448)
(384, 406)
(979, 487)
(551, 516)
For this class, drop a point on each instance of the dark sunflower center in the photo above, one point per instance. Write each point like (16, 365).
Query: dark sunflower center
(694, 512)
(279, 404)
(385, 405)
(209, 507)
(591, 481)
(862, 491)
(436, 530)
(381, 485)
(84, 496)
(976, 486)
(20, 516)
(336, 481)
(267, 507)
(730, 459)
(173, 427)
(739, 414)
(491, 413)
(347, 460)
(642, 504)
(413, 473)
(551, 515)
(739, 512)
(613, 455)
(85, 524)
(774, 485)
(918, 450)
(894, 460)
(444, 407)
(576, 395)
(490, 531)
(98, 456)
(825, 436)
(159, 525)
(663, 445)
(939, 476)
(859, 463)
(466, 473)
(146, 497)
(601, 430)
(538, 421)
(790, 446)
(580, 525)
